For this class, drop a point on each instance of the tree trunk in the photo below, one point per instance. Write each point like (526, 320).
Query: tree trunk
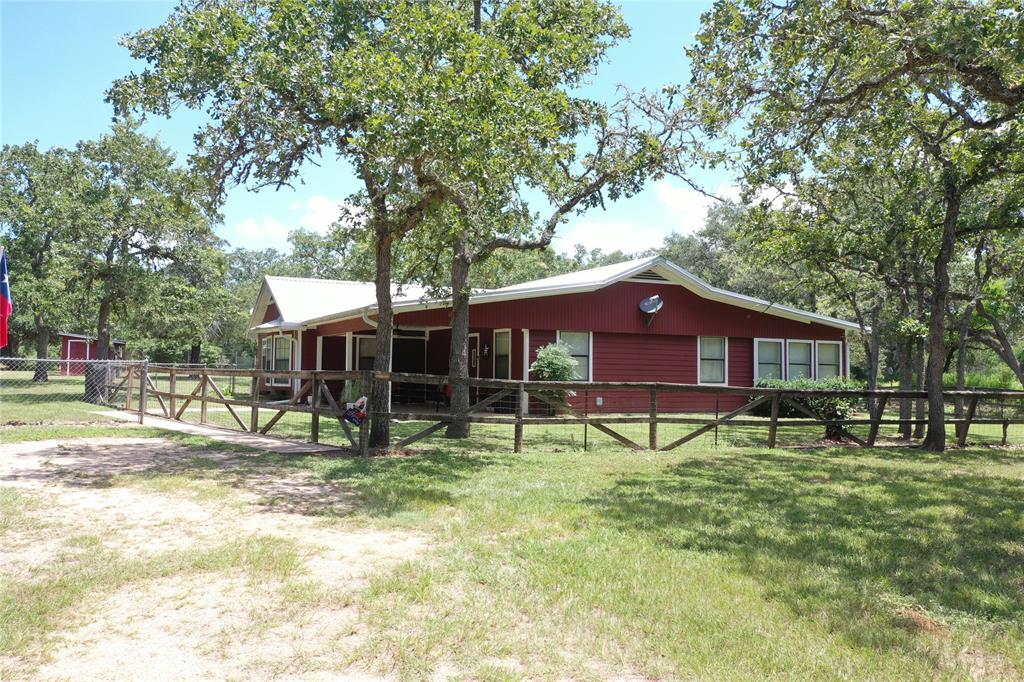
(961, 364)
(103, 331)
(42, 350)
(906, 362)
(921, 406)
(935, 439)
(96, 377)
(458, 353)
(380, 392)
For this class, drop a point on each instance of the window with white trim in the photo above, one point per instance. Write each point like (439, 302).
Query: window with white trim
(503, 354)
(579, 348)
(366, 351)
(829, 363)
(711, 352)
(277, 357)
(267, 353)
(769, 359)
(800, 357)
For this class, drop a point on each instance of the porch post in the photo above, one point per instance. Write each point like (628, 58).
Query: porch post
(346, 391)
(297, 383)
(524, 399)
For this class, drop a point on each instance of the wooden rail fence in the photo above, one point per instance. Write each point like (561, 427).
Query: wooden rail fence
(310, 394)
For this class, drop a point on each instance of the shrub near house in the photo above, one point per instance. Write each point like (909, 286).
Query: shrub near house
(827, 407)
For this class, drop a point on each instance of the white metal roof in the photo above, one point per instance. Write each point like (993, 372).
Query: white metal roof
(302, 299)
(313, 301)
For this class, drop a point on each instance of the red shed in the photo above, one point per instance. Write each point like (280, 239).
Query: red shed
(74, 347)
(642, 320)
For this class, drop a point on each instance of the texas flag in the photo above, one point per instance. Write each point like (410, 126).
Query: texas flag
(6, 304)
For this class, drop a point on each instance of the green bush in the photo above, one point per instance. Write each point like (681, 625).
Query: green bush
(554, 363)
(827, 407)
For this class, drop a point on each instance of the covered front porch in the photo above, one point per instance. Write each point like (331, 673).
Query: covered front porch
(493, 353)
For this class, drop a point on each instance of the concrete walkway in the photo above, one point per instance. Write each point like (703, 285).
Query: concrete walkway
(252, 440)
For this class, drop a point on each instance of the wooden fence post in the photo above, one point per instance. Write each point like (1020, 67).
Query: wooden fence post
(143, 392)
(173, 390)
(128, 395)
(773, 427)
(652, 433)
(203, 395)
(520, 408)
(254, 403)
(364, 428)
(877, 411)
(972, 405)
(315, 423)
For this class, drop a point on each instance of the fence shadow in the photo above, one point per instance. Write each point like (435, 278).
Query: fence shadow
(842, 532)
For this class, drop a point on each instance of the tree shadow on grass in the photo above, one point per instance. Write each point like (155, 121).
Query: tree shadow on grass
(315, 485)
(831, 536)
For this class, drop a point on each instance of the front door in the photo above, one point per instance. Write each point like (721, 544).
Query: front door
(408, 355)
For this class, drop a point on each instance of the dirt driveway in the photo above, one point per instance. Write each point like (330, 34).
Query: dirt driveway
(136, 558)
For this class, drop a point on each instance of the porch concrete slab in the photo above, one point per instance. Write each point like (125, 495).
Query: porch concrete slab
(253, 440)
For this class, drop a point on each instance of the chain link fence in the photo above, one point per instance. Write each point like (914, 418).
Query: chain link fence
(62, 391)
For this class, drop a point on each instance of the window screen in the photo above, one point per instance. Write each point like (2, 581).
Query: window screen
(282, 354)
(367, 351)
(769, 359)
(828, 360)
(268, 354)
(712, 360)
(579, 346)
(799, 360)
(502, 355)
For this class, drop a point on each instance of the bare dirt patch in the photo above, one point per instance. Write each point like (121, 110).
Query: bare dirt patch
(143, 498)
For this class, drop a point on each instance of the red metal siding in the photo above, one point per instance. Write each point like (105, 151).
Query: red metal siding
(309, 338)
(272, 313)
(741, 361)
(437, 351)
(614, 309)
(353, 325)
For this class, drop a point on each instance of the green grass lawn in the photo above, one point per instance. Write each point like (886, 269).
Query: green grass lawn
(742, 563)
(735, 563)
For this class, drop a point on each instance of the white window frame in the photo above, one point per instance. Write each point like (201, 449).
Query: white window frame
(590, 350)
(812, 372)
(782, 357)
(839, 355)
(725, 372)
(273, 338)
(494, 352)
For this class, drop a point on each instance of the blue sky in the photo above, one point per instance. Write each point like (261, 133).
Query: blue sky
(58, 58)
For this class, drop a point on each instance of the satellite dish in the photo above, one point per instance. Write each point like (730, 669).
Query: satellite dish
(649, 306)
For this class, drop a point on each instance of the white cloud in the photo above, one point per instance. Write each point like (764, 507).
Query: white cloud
(263, 230)
(609, 235)
(686, 207)
(317, 212)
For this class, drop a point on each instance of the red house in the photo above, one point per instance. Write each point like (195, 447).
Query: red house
(75, 347)
(643, 320)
